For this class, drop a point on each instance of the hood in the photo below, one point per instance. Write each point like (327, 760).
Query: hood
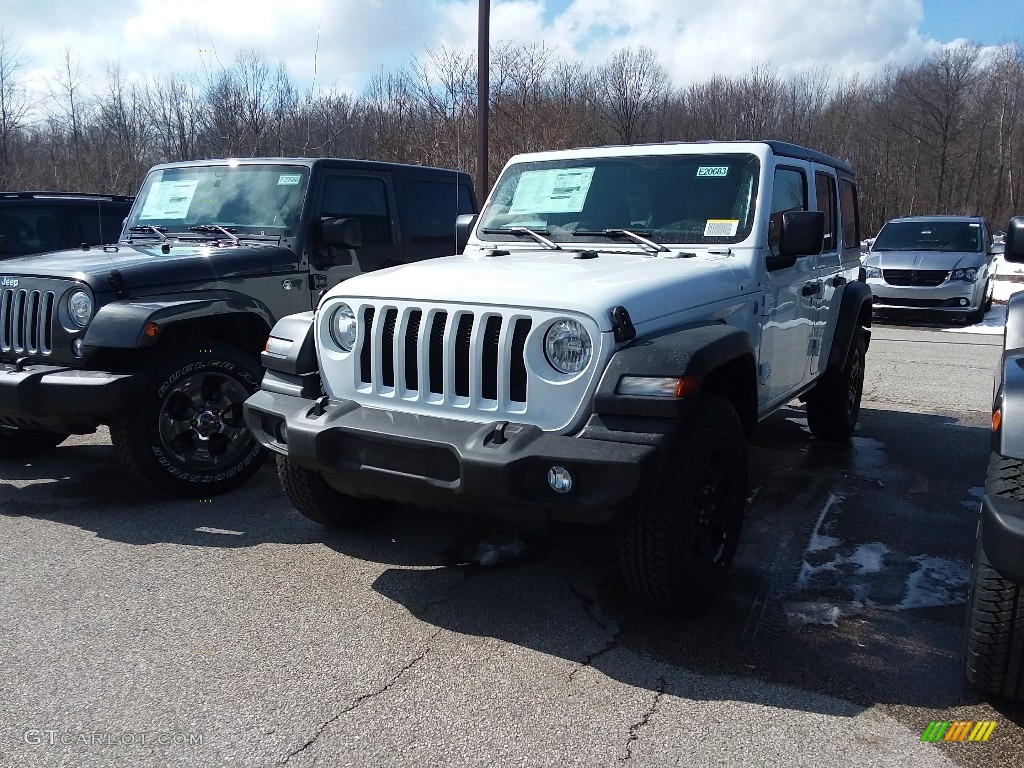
(938, 260)
(648, 287)
(144, 266)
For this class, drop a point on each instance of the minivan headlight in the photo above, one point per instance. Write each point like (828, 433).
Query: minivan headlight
(970, 275)
(872, 273)
(567, 346)
(80, 307)
(343, 327)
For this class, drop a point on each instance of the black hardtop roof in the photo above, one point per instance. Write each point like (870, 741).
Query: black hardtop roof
(310, 162)
(43, 195)
(785, 149)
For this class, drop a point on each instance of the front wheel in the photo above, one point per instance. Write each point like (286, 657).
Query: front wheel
(310, 494)
(994, 638)
(676, 542)
(833, 406)
(16, 443)
(185, 433)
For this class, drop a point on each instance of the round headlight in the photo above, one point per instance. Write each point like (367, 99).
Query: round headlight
(971, 274)
(80, 307)
(343, 327)
(567, 346)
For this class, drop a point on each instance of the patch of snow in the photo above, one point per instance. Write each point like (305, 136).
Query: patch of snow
(820, 541)
(976, 493)
(868, 557)
(937, 581)
(819, 612)
(994, 320)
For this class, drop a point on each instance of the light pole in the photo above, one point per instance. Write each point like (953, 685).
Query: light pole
(483, 68)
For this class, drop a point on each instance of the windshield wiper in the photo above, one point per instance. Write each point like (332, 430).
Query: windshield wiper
(634, 236)
(536, 234)
(215, 228)
(148, 229)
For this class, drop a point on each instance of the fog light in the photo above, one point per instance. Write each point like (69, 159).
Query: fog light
(76, 347)
(964, 302)
(559, 479)
(281, 432)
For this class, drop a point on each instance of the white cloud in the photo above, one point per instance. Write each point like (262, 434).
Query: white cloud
(694, 39)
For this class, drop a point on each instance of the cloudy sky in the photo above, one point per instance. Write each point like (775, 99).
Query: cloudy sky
(693, 38)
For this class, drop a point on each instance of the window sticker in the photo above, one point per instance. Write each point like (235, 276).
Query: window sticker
(974, 226)
(289, 179)
(169, 199)
(721, 227)
(716, 171)
(559, 190)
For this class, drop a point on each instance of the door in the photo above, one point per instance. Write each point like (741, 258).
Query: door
(788, 312)
(367, 197)
(827, 266)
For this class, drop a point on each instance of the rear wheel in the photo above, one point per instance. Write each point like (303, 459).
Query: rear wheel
(185, 433)
(994, 639)
(16, 443)
(310, 494)
(676, 543)
(834, 404)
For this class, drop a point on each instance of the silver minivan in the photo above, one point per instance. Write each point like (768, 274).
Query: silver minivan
(933, 263)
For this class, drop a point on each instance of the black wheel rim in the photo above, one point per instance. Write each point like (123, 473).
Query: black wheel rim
(201, 421)
(712, 507)
(856, 382)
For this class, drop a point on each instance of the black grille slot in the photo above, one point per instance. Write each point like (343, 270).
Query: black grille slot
(437, 353)
(412, 338)
(365, 360)
(462, 355)
(387, 348)
(489, 361)
(517, 365)
(26, 321)
(921, 278)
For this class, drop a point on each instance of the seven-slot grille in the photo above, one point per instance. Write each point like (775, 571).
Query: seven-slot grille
(407, 352)
(25, 321)
(921, 278)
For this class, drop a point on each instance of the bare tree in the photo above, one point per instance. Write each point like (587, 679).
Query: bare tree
(14, 105)
(632, 89)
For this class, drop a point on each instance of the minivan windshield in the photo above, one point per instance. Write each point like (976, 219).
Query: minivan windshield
(696, 199)
(245, 199)
(956, 236)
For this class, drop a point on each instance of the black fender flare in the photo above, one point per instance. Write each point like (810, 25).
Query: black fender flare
(290, 360)
(121, 324)
(855, 304)
(680, 352)
(1008, 397)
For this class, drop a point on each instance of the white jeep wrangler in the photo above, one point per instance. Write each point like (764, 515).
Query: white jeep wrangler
(620, 319)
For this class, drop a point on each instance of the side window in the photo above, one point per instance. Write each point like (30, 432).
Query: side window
(429, 209)
(825, 192)
(94, 225)
(851, 219)
(789, 193)
(31, 228)
(359, 197)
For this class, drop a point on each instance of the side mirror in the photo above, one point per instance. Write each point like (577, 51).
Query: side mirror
(341, 233)
(463, 226)
(1013, 244)
(802, 234)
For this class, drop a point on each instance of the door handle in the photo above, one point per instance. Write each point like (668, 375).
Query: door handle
(810, 289)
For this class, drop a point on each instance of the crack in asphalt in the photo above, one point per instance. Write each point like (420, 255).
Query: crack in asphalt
(591, 609)
(634, 731)
(358, 701)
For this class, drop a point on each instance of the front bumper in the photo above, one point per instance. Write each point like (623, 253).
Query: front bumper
(948, 297)
(1002, 536)
(483, 469)
(60, 399)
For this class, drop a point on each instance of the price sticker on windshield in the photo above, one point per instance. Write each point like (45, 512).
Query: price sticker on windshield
(721, 227)
(716, 171)
(289, 179)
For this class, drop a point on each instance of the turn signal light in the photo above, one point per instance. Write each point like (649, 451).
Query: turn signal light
(997, 419)
(151, 330)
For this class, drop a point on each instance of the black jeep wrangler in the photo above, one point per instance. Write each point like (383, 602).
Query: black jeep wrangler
(160, 335)
(994, 644)
(34, 222)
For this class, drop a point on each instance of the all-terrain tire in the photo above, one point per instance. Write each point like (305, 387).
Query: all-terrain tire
(834, 404)
(676, 542)
(994, 637)
(310, 494)
(18, 443)
(184, 433)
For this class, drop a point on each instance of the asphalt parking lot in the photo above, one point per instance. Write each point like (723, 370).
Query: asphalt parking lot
(137, 630)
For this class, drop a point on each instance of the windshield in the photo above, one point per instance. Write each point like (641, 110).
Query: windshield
(667, 198)
(959, 236)
(246, 199)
